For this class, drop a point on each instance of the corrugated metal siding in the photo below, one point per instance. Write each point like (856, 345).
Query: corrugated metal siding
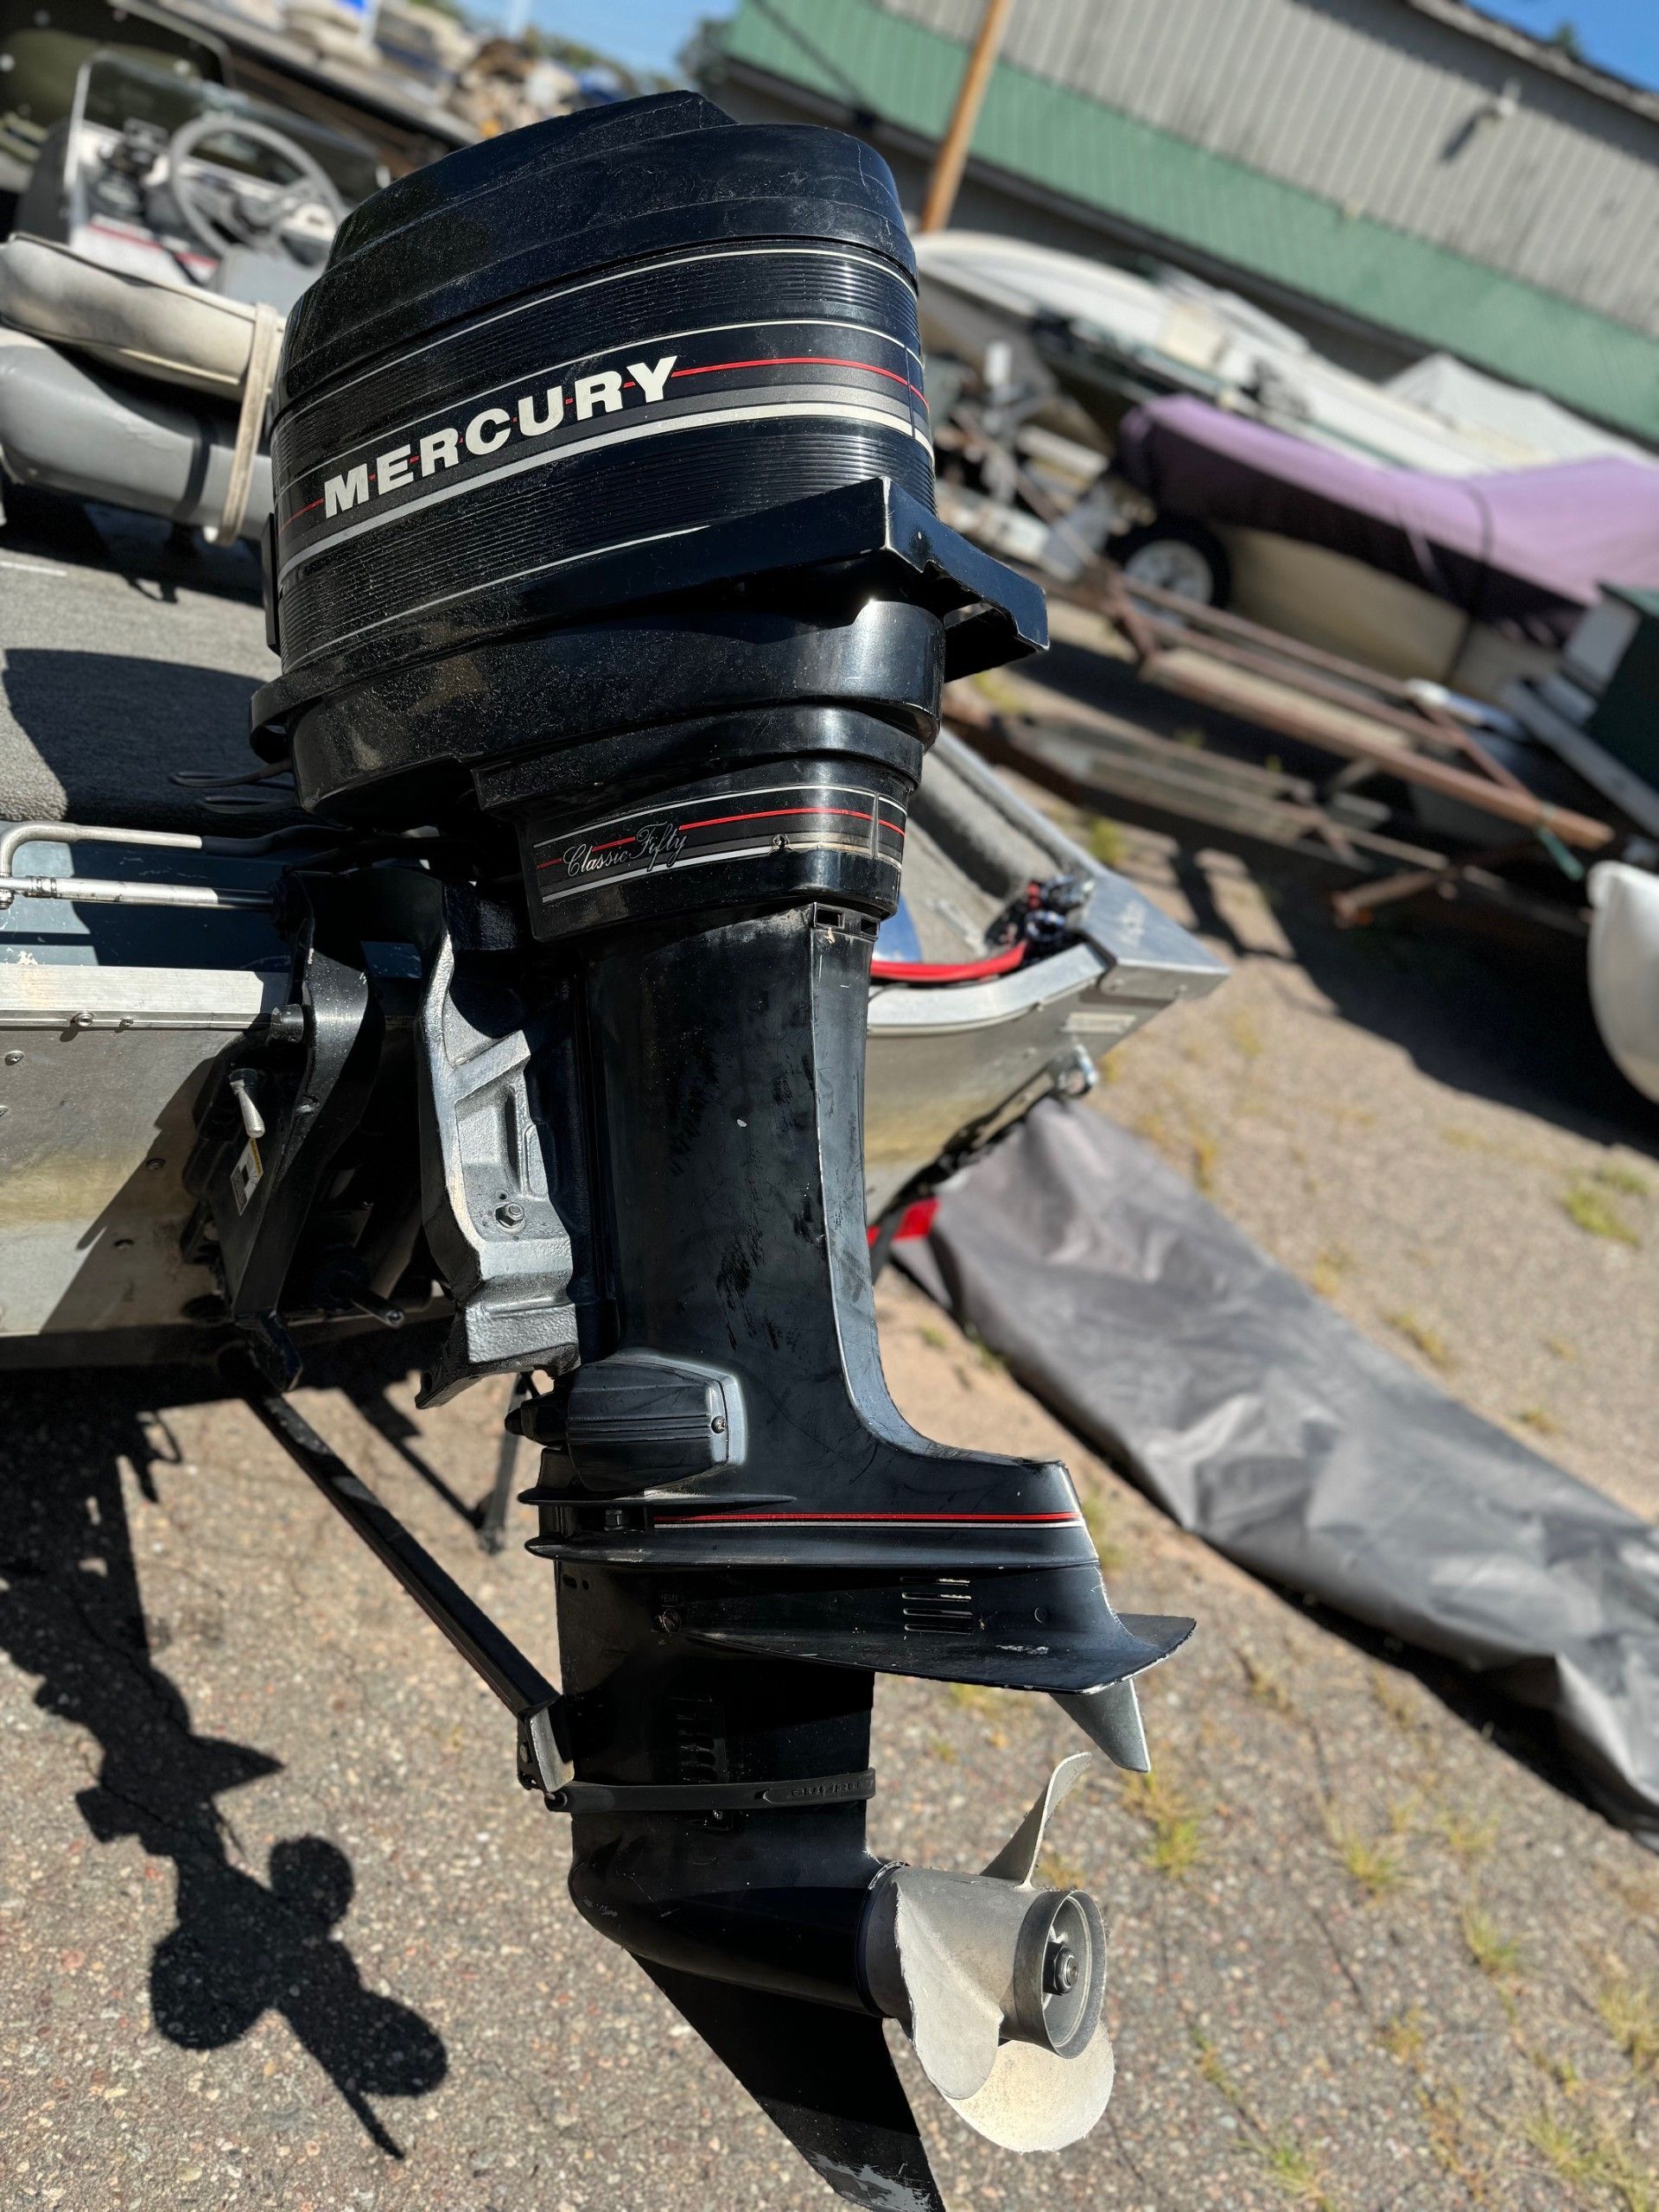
(857, 58)
(1371, 105)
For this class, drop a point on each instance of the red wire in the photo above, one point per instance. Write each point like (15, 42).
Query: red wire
(948, 971)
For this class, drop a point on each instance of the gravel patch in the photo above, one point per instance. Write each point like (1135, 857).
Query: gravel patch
(1418, 1119)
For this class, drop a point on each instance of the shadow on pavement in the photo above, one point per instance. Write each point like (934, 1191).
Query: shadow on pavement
(70, 1612)
(111, 730)
(1491, 1006)
(153, 556)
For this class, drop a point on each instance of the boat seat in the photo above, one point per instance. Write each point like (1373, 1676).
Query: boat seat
(124, 658)
(69, 425)
(199, 340)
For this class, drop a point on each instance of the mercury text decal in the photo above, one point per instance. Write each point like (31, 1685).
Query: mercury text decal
(533, 414)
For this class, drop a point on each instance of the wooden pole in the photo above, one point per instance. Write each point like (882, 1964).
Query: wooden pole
(952, 156)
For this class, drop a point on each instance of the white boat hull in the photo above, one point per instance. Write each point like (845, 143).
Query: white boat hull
(1625, 969)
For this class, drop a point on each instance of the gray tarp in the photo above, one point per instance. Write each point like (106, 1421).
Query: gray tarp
(1263, 1423)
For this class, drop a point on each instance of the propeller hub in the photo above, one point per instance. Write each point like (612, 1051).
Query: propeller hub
(984, 1963)
(1059, 1972)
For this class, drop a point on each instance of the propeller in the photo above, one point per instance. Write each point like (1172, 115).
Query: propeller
(998, 1982)
(1000, 1985)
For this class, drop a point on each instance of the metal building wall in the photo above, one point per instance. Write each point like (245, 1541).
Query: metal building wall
(1380, 109)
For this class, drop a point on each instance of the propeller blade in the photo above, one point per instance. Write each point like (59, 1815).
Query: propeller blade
(1002, 1985)
(955, 2015)
(824, 2077)
(1017, 1860)
(1034, 2101)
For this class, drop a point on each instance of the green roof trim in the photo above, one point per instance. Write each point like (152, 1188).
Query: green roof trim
(863, 58)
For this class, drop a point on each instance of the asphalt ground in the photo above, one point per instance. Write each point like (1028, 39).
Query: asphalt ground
(279, 1929)
(1419, 1119)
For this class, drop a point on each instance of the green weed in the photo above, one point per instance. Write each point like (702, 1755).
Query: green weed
(1427, 1340)
(1296, 2169)
(1467, 1839)
(1402, 2036)
(1630, 2013)
(1374, 1863)
(1177, 1842)
(1497, 1955)
(1588, 1210)
(1591, 2157)
(1264, 1682)
(1098, 1516)
(1625, 1181)
(1108, 842)
(1539, 1419)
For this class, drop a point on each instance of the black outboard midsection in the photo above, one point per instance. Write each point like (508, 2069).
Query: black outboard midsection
(612, 603)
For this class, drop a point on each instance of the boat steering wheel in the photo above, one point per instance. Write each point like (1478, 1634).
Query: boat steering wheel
(259, 225)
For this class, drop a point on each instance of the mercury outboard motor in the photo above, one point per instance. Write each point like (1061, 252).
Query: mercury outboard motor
(614, 612)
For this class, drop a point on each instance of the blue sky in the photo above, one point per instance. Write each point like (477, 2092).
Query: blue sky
(1622, 34)
(646, 33)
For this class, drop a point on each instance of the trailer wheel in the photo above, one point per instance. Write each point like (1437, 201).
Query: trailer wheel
(1183, 558)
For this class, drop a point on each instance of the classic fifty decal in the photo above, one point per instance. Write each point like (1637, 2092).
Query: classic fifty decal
(742, 825)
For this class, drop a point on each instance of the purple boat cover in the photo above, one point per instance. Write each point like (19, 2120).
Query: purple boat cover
(1526, 545)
